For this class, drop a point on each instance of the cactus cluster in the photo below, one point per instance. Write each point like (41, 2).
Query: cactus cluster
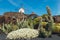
(25, 24)
(47, 31)
(6, 28)
(20, 24)
(25, 27)
(25, 33)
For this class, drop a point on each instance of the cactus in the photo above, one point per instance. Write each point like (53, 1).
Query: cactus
(19, 23)
(49, 14)
(3, 28)
(51, 21)
(48, 10)
(40, 27)
(25, 33)
(36, 20)
(14, 27)
(25, 24)
(6, 28)
(45, 17)
(40, 24)
(42, 31)
(46, 32)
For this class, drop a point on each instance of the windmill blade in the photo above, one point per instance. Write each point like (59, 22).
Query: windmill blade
(17, 8)
(27, 10)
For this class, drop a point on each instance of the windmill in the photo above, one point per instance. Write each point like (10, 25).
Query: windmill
(22, 9)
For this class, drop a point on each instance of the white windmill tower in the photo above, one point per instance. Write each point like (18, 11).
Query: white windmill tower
(21, 10)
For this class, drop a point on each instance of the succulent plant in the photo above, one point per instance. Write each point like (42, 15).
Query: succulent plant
(40, 24)
(36, 20)
(14, 27)
(23, 33)
(19, 23)
(51, 21)
(3, 28)
(47, 31)
(25, 24)
(6, 28)
(45, 17)
(56, 28)
(50, 25)
(30, 23)
(40, 28)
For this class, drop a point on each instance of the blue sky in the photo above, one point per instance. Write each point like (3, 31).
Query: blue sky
(37, 6)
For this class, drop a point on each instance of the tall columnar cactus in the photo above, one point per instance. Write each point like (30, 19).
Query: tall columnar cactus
(48, 10)
(50, 22)
(49, 14)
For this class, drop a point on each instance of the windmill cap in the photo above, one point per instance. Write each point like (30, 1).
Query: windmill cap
(21, 10)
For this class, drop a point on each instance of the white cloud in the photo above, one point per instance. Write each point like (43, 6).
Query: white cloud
(13, 3)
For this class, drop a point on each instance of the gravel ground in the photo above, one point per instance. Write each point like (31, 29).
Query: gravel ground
(54, 37)
(2, 36)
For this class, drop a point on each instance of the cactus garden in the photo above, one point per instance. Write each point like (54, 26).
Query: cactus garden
(31, 27)
(29, 19)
